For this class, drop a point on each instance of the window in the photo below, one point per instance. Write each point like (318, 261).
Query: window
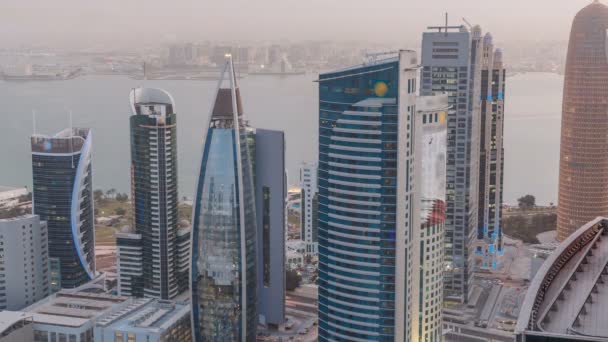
(266, 234)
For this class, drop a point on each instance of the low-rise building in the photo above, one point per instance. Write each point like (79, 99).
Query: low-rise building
(147, 320)
(567, 299)
(70, 316)
(16, 327)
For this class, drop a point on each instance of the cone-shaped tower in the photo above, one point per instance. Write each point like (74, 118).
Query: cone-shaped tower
(223, 272)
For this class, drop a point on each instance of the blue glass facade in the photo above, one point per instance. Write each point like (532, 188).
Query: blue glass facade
(359, 138)
(63, 196)
(224, 229)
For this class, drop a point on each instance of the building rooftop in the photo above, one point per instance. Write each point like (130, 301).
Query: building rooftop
(145, 315)
(74, 309)
(569, 294)
(9, 318)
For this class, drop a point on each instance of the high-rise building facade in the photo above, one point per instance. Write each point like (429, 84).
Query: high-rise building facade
(63, 197)
(24, 262)
(365, 181)
(309, 208)
(430, 164)
(223, 269)
(129, 261)
(268, 160)
(451, 64)
(154, 192)
(491, 156)
(583, 167)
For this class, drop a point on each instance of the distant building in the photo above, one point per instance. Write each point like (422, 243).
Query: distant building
(9, 196)
(366, 199)
(154, 194)
(224, 227)
(24, 262)
(63, 197)
(182, 271)
(491, 156)
(70, 316)
(583, 166)
(568, 298)
(451, 63)
(16, 327)
(309, 208)
(146, 320)
(268, 160)
(430, 132)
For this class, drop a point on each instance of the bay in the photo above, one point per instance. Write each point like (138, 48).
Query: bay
(532, 124)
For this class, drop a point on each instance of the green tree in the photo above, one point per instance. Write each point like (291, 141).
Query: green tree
(122, 197)
(98, 195)
(120, 211)
(526, 202)
(292, 280)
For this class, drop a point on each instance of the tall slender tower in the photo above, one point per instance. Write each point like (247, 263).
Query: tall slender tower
(451, 64)
(154, 195)
(63, 197)
(366, 209)
(223, 270)
(430, 144)
(491, 156)
(309, 218)
(583, 167)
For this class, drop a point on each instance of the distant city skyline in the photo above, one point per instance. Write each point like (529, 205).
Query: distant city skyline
(54, 24)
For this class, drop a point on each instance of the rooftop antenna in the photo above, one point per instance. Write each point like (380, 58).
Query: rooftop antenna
(34, 120)
(145, 71)
(71, 140)
(444, 28)
(467, 22)
(446, 24)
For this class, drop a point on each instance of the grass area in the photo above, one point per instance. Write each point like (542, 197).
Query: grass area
(526, 227)
(109, 207)
(104, 235)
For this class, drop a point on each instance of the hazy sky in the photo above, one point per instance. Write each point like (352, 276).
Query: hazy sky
(82, 22)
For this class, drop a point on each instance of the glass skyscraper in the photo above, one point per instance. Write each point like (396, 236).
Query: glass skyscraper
(224, 225)
(63, 197)
(451, 64)
(153, 126)
(365, 182)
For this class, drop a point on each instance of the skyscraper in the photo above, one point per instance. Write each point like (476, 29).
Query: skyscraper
(451, 64)
(267, 150)
(430, 163)
(63, 197)
(583, 166)
(491, 155)
(309, 208)
(154, 198)
(224, 225)
(366, 228)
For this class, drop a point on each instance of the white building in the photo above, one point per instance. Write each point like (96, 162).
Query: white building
(70, 316)
(430, 148)
(9, 196)
(309, 207)
(16, 327)
(150, 320)
(24, 262)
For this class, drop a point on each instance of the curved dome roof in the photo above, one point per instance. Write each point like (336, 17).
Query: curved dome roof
(150, 96)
